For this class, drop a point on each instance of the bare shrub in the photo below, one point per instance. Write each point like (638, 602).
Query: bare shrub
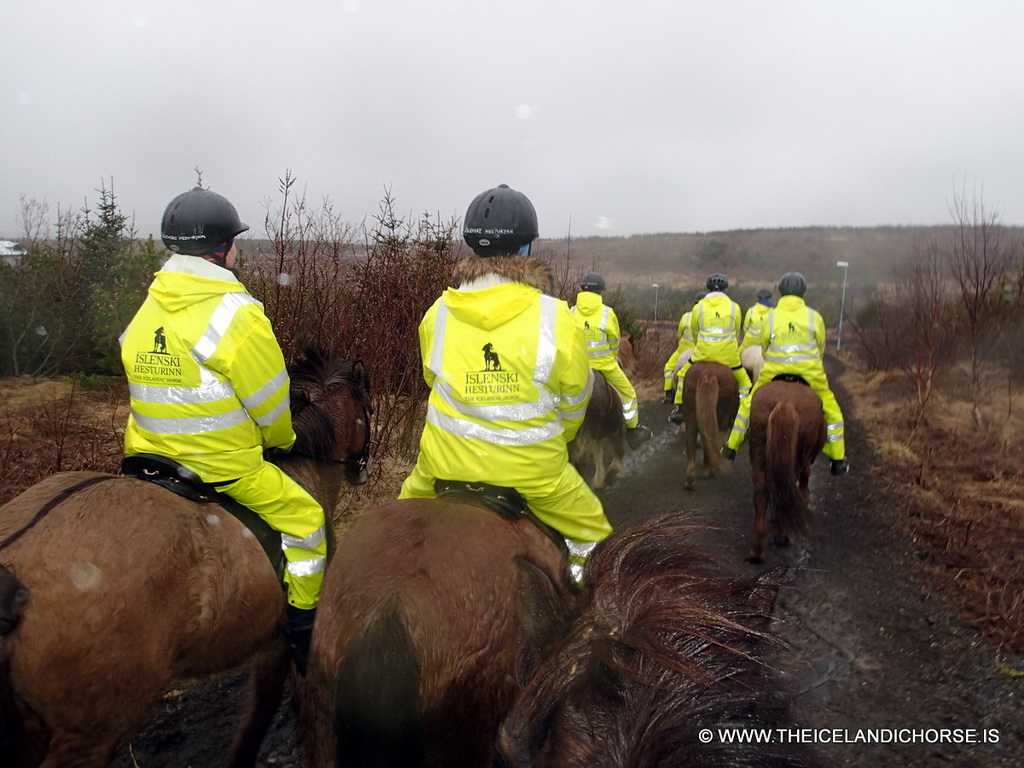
(359, 293)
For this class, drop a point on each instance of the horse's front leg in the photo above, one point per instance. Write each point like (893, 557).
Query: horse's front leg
(268, 670)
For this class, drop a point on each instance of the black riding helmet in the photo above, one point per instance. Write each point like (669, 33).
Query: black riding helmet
(717, 282)
(197, 221)
(764, 293)
(593, 282)
(792, 284)
(500, 222)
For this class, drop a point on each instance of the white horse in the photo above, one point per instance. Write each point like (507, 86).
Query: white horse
(752, 358)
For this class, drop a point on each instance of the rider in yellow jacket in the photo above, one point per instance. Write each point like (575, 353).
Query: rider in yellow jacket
(754, 320)
(793, 339)
(684, 344)
(209, 389)
(600, 327)
(509, 377)
(715, 324)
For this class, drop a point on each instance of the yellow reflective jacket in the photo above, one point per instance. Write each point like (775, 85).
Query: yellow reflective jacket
(207, 378)
(793, 337)
(600, 327)
(715, 325)
(509, 384)
(753, 322)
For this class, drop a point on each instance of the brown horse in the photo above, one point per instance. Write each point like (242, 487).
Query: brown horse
(627, 355)
(434, 614)
(113, 587)
(710, 401)
(666, 655)
(604, 421)
(786, 433)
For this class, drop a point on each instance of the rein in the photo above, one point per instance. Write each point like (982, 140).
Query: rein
(60, 498)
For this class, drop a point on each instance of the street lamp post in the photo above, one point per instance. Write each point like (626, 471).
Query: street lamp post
(655, 287)
(845, 266)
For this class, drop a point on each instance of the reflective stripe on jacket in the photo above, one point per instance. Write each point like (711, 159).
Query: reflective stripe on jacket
(509, 384)
(206, 375)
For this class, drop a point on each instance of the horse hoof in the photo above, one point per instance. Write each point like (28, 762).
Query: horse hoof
(755, 558)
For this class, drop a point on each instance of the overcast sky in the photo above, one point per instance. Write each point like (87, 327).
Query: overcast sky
(619, 117)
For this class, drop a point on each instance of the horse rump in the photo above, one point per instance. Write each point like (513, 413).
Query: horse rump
(433, 615)
(377, 718)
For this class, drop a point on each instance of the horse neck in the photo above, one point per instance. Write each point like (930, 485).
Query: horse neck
(323, 480)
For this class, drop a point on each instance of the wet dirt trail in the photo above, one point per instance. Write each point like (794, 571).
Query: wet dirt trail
(873, 652)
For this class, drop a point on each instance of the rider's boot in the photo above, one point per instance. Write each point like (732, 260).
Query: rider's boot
(637, 436)
(300, 632)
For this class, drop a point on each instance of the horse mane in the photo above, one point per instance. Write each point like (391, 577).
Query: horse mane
(668, 644)
(655, 596)
(314, 376)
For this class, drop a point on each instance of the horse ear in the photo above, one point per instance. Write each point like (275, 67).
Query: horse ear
(359, 372)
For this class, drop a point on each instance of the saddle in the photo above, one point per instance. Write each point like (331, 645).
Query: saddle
(792, 378)
(507, 502)
(181, 480)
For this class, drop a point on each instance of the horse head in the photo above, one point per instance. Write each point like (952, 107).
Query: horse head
(331, 409)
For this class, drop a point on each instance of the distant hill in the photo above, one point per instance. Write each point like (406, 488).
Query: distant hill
(755, 257)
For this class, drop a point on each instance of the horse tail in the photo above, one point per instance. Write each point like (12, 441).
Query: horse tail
(13, 739)
(707, 414)
(792, 514)
(377, 713)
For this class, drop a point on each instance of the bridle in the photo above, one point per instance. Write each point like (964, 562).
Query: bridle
(362, 461)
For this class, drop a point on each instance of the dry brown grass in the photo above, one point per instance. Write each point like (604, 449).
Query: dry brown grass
(959, 494)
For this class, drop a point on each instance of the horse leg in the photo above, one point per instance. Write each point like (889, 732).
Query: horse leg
(618, 450)
(599, 468)
(267, 674)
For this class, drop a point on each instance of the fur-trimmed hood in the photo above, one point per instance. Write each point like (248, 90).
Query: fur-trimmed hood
(521, 269)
